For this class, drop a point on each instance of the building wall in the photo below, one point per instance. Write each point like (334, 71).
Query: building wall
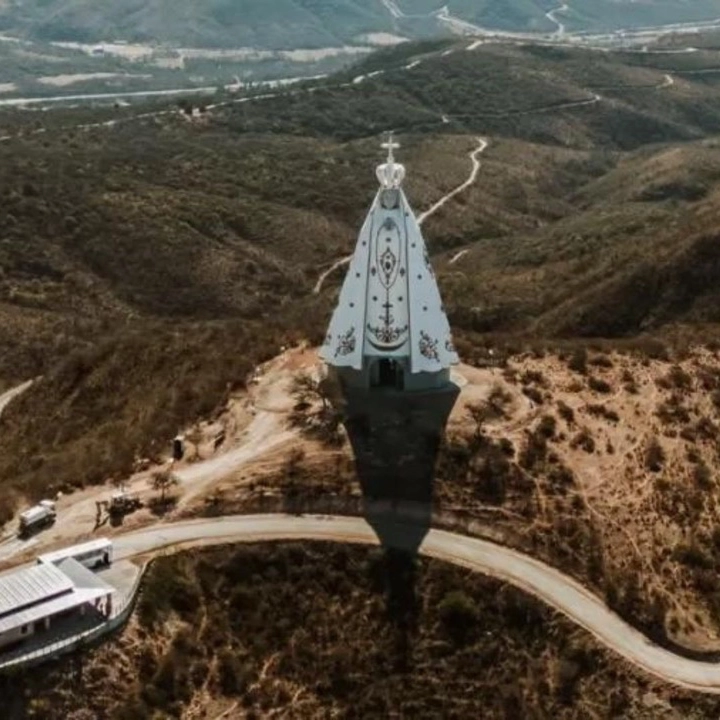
(369, 376)
(16, 635)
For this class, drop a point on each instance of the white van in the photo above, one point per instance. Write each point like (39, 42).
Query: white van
(93, 554)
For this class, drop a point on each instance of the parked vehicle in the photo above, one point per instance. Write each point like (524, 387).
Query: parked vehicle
(37, 518)
(124, 503)
(94, 554)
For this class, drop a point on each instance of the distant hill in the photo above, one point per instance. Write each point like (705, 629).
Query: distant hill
(205, 23)
(324, 23)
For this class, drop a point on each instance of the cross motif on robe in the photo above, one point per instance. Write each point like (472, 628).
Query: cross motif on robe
(387, 306)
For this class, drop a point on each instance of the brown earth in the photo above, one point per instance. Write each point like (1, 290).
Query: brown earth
(562, 463)
(313, 630)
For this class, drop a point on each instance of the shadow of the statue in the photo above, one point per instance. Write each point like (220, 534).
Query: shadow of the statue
(395, 437)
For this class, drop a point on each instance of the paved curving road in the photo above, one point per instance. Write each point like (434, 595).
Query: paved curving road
(544, 582)
(149, 94)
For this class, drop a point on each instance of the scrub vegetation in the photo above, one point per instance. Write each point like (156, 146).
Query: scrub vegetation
(315, 630)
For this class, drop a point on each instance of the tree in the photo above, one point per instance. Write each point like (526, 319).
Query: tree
(654, 456)
(306, 389)
(458, 614)
(479, 414)
(162, 481)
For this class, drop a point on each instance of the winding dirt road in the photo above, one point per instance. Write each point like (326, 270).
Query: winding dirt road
(7, 397)
(552, 17)
(475, 169)
(272, 401)
(545, 583)
(475, 159)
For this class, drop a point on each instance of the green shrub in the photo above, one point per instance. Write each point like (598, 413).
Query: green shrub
(458, 614)
(599, 385)
(578, 361)
(654, 456)
(566, 412)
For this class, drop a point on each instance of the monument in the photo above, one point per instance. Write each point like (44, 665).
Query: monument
(390, 330)
(390, 346)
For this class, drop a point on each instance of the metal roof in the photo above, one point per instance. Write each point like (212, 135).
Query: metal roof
(34, 513)
(75, 550)
(31, 585)
(82, 578)
(47, 609)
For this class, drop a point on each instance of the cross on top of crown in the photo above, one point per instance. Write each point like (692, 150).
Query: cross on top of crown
(391, 174)
(390, 144)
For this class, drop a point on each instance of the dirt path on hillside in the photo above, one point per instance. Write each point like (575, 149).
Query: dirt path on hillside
(267, 403)
(7, 397)
(475, 169)
(474, 156)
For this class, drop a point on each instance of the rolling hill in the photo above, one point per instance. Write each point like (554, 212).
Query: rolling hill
(325, 23)
(151, 258)
(137, 257)
(211, 23)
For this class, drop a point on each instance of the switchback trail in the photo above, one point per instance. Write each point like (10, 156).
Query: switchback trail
(474, 157)
(549, 585)
(552, 17)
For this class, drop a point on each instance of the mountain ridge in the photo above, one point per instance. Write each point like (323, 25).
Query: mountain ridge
(324, 23)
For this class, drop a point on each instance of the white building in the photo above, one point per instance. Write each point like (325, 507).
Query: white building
(33, 599)
(389, 329)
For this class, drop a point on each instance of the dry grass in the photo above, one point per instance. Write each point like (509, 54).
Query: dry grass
(597, 483)
(292, 630)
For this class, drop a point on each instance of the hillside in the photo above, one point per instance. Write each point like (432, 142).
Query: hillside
(211, 23)
(207, 232)
(157, 262)
(290, 24)
(313, 630)
(598, 458)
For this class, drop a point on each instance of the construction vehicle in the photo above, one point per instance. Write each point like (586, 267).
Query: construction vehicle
(124, 503)
(36, 518)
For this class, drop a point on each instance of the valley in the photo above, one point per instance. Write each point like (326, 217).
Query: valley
(128, 52)
(170, 266)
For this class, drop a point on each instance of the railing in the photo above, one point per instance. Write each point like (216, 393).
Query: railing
(449, 519)
(73, 640)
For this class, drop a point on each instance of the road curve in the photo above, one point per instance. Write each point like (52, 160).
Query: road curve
(532, 576)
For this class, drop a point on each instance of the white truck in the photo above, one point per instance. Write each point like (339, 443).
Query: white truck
(36, 518)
